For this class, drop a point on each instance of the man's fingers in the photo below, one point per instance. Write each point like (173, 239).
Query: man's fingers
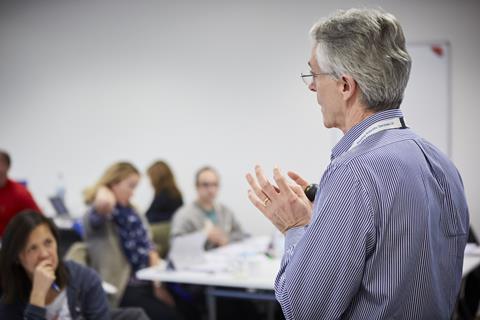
(298, 190)
(264, 184)
(260, 205)
(254, 185)
(300, 193)
(256, 188)
(282, 182)
(298, 179)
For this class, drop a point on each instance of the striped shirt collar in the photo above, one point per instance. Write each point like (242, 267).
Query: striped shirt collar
(346, 142)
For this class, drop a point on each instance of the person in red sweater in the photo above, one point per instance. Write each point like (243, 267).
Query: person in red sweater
(14, 197)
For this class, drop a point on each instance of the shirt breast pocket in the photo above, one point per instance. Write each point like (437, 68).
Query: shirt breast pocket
(454, 212)
(454, 222)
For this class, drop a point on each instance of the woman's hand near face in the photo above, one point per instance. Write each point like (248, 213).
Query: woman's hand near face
(43, 277)
(104, 201)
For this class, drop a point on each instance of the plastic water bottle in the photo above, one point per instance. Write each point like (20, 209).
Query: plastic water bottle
(276, 245)
(279, 244)
(60, 189)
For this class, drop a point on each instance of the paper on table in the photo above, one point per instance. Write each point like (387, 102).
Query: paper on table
(187, 250)
(472, 249)
(210, 266)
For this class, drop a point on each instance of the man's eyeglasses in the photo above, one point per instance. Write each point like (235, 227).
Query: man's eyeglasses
(208, 184)
(308, 78)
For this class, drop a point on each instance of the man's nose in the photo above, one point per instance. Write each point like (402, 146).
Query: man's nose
(312, 86)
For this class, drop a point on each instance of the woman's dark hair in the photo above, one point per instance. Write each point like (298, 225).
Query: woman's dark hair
(14, 282)
(162, 179)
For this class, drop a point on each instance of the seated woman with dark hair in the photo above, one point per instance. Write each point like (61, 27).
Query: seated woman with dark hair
(166, 201)
(167, 197)
(35, 284)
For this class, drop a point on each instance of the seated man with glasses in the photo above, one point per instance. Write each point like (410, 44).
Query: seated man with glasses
(207, 214)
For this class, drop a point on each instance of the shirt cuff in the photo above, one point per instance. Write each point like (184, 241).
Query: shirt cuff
(293, 235)
(35, 312)
(95, 219)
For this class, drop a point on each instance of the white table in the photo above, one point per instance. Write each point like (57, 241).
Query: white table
(240, 265)
(471, 259)
(470, 262)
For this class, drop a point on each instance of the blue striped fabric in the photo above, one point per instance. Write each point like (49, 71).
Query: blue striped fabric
(387, 235)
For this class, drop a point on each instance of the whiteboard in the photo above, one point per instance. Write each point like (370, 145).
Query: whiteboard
(427, 100)
(140, 96)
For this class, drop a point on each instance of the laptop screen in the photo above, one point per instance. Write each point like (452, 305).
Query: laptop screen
(59, 205)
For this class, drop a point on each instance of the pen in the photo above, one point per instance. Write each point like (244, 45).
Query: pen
(55, 287)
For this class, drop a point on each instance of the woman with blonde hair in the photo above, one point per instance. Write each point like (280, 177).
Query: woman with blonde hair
(119, 244)
(167, 198)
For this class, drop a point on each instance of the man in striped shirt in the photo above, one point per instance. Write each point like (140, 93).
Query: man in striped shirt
(385, 236)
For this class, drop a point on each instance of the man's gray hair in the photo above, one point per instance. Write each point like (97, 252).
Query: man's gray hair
(369, 45)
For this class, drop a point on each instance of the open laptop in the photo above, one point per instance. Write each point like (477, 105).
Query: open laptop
(59, 205)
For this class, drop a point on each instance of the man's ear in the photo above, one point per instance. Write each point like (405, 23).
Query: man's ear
(347, 87)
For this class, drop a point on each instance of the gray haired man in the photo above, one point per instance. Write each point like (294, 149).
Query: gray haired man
(385, 236)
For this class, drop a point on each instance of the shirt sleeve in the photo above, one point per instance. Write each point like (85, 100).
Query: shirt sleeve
(33, 312)
(323, 263)
(95, 302)
(95, 219)
(30, 202)
(182, 223)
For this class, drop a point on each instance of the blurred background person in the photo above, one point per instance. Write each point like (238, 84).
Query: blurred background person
(119, 245)
(36, 284)
(14, 197)
(206, 213)
(166, 200)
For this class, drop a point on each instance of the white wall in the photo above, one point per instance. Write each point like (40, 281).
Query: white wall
(84, 84)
